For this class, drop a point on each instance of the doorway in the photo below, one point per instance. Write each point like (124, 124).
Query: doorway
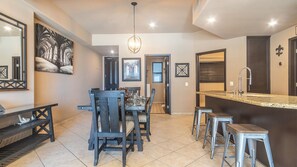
(210, 73)
(16, 69)
(157, 76)
(111, 73)
(293, 66)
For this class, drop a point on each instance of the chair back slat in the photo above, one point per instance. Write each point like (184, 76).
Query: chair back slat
(107, 109)
(104, 114)
(114, 114)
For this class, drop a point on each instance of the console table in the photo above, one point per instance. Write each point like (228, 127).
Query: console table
(42, 129)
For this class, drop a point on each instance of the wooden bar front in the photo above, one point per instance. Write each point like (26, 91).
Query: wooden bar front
(281, 124)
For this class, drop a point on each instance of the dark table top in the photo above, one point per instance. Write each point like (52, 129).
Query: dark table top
(24, 109)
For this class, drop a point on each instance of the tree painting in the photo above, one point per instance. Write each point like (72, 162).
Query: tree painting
(53, 52)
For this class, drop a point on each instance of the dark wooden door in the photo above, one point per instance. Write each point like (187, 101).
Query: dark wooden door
(111, 73)
(258, 52)
(167, 86)
(293, 66)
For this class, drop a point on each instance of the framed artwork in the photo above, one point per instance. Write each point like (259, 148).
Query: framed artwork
(3, 72)
(131, 69)
(53, 52)
(295, 30)
(182, 69)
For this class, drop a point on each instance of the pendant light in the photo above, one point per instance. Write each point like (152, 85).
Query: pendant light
(134, 42)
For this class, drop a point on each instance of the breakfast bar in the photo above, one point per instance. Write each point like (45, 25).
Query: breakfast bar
(276, 113)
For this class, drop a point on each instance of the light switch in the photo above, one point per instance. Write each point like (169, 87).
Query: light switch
(186, 84)
(231, 83)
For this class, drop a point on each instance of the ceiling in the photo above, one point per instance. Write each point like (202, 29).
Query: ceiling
(236, 18)
(116, 16)
(106, 50)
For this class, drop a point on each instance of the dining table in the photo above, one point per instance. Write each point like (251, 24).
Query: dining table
(130, 107)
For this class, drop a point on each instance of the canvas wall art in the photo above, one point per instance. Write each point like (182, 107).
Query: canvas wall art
(131, 68)
(53, 52)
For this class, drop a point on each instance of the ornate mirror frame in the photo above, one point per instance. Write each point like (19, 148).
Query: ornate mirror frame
(19, 83)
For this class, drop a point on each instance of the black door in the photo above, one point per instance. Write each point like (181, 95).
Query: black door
(293, 66)
(167, 86)
(258, 52)
(111, 73)
(16, 69)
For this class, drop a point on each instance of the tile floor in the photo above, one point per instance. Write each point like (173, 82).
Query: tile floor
(172, 145)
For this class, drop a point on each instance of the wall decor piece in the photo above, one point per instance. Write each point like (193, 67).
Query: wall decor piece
(296, 30)
(131, 69)
(279, 50)
(53, 52)
(182, 69)
(3, 72)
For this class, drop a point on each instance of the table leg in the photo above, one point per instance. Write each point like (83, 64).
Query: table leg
(51, 126)
(137, 129)
(91, 139)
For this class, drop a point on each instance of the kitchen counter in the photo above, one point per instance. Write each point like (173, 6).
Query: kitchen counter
(276, 113)
(264, 100)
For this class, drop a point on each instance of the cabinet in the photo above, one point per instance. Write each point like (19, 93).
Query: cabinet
(42, 129)
(258, 59)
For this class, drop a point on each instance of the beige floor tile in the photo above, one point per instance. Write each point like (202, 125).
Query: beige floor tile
(193, 151)
(29, 160)
(137, 159)
(185, 139)
(176, 160)
(155, 139)
(113, 163)
(171, 145)
(157, 151)
(156, 163)
(205, 161)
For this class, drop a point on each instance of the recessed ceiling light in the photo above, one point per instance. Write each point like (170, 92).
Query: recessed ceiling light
(7, 28)
(272, 23)
(211, 20)
(152, 25)
(112, 51)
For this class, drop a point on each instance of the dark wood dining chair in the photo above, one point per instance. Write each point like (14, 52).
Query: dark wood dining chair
(108, 129)
(145, 117)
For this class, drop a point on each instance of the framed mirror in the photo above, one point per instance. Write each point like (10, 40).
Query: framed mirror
(13, 45)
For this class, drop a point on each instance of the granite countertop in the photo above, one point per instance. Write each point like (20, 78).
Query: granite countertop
(264, 100)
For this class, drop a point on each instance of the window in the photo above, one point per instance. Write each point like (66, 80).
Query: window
(157, 74)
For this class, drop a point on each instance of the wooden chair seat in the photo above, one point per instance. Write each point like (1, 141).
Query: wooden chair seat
(222, 115)
(205, 110)
(245, 128)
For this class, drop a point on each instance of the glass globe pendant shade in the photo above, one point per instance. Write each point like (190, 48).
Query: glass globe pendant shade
(134, 44)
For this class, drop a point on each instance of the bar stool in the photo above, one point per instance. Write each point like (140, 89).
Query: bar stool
(197, 118)
(215, 118)
(252, 134)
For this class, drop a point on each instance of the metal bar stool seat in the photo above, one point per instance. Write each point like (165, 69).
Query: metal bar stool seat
(252, 134)
(197, 118)
(215, 119)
